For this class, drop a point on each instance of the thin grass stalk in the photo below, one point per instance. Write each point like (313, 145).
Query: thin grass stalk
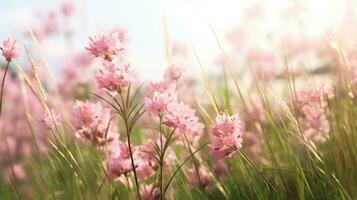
(2, 85)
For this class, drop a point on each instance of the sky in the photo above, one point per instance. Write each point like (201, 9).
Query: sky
(188, 21)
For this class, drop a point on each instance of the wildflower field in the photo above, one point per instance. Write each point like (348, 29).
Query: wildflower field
(272, 116)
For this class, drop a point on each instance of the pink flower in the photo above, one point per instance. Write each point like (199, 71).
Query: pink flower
(184, 119)
(254, 110)
(315, 123)
(92, 122)
(179, 48)
(174, 72)
(221, 169)
(315, 94)
(119, 161)
(263, 63)
(226, 136)
(161, 86)
(147, 163)
(106, 46)
(150, 192)
(68, 8)
(158, 102)
(122, 33)
(204, 179)
(114, 76)
(253, 142)
(51, 24)
(51, 121)
(311, 102)
(15, 172)
(10, 49)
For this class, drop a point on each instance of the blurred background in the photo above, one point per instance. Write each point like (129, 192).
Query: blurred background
(189, 22)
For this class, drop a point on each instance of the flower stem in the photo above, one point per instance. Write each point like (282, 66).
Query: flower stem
(3, 84)
(128, 131)
(132, 160)
(161, 161)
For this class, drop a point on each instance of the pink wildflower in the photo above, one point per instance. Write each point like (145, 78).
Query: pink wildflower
(311, 102)
(51, 121)
(10, 49)
(92, 122)
(184, 119)
(158, 102)
(15, 172)
(204, 179)
(221, 169)
(316, 126)
(119, 162)
(314, 95)
(115, 76)
(68, 8)
(150, 192)
(179, 49)
(106, 46)
(174, 72)
(51, 24)
(147, 163)
(252, 141)
(226, 135)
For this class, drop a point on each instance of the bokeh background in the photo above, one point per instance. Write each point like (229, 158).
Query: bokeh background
(189, 22)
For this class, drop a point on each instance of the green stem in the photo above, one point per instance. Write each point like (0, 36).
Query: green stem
(3, 84)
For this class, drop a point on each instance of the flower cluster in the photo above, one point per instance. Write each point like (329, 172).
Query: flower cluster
(119, 161)
(226, 135)
(106, 46)
(93, 123)
(10, 49)
(312, 102)
(114, 76)
(164, 102)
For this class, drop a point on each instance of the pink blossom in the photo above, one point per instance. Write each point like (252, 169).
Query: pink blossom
(150, 192)
(203, 178)
(174, 72)
(226, 136)
(92, 122)
(311, 102)
(179, 49)
(119, 163)
(184, 119)
(315, 124)
(51, 24)
(161, 86)
(106, 46)
(122, 34)
(147, 163)
(315, 94)
(39, 32)
(51, 120)
(68, 8)
(114, 76)
(157, 103)
(10, 49)
(253, 142)
(236, 37)
(254, 110)
(221, 169)
(15, 172)
(263, 63)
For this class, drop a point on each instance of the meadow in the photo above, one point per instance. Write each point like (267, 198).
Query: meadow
(269, 121)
